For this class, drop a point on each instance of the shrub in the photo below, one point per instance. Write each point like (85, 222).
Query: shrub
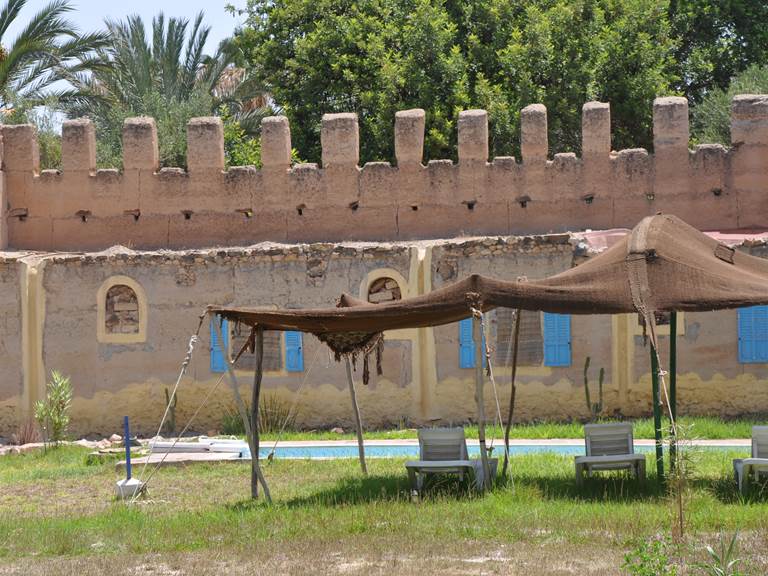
(274, 416)
(651, 559)
(52, 414)
(27, 433)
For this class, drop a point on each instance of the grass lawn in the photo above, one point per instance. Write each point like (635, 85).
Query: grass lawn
(694, 426)
(57, 516)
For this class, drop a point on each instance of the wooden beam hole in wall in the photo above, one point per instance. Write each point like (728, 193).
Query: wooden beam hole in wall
(19, 213)
(135, 213)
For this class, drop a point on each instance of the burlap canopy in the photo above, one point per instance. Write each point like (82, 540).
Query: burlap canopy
(663, 264)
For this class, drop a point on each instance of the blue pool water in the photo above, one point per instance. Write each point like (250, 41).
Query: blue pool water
(412, 451)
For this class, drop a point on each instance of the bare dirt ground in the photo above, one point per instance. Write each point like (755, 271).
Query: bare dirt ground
(352, 558)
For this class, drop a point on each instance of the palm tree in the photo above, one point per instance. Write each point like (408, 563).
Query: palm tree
(164, 73)
(47, 50)
(171, 64)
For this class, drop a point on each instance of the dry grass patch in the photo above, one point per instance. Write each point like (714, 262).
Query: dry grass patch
(57, 515)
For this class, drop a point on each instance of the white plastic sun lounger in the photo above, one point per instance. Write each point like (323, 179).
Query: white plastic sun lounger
(444, 451)
(609, 447)
(758, 463)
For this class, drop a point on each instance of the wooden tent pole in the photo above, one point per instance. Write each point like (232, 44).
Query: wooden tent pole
(657, 415)
(673, 388)
(255, 394)
(512, 393)
(356, 412)
(241, 408)
(477, 334)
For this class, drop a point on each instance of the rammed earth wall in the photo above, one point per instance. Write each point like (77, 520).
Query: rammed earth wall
(142, 206)
(50, 303)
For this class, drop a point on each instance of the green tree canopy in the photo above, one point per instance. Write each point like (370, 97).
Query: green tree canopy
(375, 57)
(711, 122)
(717, 39)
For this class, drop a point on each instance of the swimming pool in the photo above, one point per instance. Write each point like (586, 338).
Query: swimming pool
(411, 450)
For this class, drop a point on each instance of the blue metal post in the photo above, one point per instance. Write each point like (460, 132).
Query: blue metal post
(127, 441)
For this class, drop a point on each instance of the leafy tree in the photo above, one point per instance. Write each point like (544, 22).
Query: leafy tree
(48, 49)
(374, 57)
(239, 148)
(717, 39)
(711, 122)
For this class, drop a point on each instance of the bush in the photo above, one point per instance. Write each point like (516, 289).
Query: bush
(651, 559)
(52, 414)
(274, 416)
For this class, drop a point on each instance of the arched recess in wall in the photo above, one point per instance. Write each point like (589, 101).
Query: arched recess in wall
(121, 306)
(384, 285)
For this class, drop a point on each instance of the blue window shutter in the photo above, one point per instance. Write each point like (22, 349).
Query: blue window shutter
(294, 352)
(467, 345)
(557, 339)
(218, 361)
(753, 334)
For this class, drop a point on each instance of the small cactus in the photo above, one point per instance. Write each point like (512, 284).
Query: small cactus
(594, 408)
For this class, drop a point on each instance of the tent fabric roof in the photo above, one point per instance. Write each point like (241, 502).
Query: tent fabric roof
(663, 264)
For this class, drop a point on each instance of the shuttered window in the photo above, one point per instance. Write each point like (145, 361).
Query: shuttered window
(467, 345)
(273, 349)
(753, 334)
(218, 362)
(294, 352)
(530, 348)
(557, 339)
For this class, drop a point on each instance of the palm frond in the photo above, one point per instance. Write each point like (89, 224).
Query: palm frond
(9, 13)
(49, 23)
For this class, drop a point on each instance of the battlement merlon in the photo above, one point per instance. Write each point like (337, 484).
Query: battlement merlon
(595, 130)
(340, 140)
(140, 151)
(409, 137)
(534, 141)
(275, 143)
(749, 120)
(473, 137)
(205, 145)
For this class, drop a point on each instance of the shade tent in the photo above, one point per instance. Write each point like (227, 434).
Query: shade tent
(661, 265)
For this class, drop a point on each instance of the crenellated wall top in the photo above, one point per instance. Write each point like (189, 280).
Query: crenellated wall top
(142, 205)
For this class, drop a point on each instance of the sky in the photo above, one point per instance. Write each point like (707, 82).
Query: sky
(89, 15)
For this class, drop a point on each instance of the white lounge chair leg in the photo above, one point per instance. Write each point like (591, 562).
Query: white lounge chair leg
(412, 480)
